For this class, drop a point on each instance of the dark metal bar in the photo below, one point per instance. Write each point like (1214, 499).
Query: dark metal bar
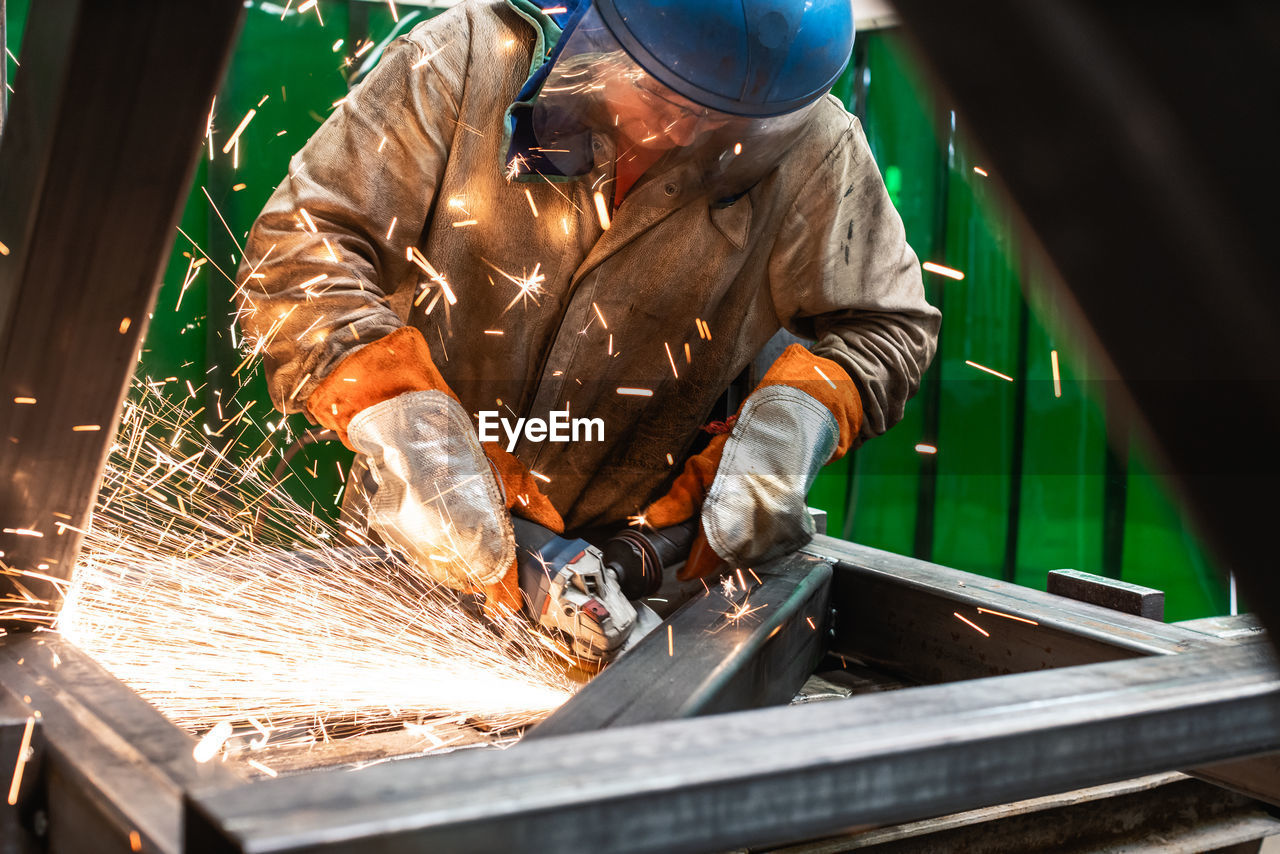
(720, 663)
(1152, 191)
(1017, 452)
(93, 166)
(112, 764)
(4, 66)
(903, 615)
(900, 614)
(16, 820)
(1165, 812)
(1115, 485)
(771, 775)
(1108, 592)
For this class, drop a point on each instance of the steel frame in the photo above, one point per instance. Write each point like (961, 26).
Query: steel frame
(103, 766)
(109, 765)
(723, 664)
(773, 775)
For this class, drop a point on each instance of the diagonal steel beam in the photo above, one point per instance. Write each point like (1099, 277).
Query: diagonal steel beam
(99, 148)
(715, 654)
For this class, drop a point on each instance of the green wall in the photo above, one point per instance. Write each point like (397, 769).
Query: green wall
(1022, 481)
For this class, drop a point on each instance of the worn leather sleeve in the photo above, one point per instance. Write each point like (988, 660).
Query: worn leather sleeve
(319, 284)
(842, 274)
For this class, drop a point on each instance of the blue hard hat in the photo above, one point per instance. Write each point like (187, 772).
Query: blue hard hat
(744, 57)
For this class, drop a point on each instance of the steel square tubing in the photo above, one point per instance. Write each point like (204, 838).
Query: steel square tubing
(899, 613)
(772, 775)
(702, 662)
(111, 765)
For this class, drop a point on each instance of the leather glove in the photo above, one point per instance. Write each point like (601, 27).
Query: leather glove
(751, 485)
(442, 496)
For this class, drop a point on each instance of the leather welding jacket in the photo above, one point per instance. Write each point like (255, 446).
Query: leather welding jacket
(417, 150)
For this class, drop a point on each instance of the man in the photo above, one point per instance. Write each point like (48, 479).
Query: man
(605, 208)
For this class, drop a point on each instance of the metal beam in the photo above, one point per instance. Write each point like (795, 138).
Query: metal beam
(903, 615)
(1152, 190)
(705, 659)
(111, 765)
(900, 614)
(100, 145)
(772, 775)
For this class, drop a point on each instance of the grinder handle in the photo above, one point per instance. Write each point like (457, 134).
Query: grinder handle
(639, 558)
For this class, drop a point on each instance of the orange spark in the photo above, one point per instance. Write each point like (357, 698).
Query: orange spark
(971, 624)
(1007, 616)
(931, 267)
(1057, 375)
(22, 761)
(235, 136)
(602, 210)
(636, 392)
(988, 370)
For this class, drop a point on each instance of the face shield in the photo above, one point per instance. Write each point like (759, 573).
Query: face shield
(595, 92)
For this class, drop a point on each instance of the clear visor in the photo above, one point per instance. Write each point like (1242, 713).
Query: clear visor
(595, 88)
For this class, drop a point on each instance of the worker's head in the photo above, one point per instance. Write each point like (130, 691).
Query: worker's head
(726, 84)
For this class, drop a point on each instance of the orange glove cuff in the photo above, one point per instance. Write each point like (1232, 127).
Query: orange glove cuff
(690, 489)
(401, 363)
(825, 381)
(502, 598)
(524, 498)
(386, 368)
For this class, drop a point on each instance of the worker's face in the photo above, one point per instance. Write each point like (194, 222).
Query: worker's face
(650, 115)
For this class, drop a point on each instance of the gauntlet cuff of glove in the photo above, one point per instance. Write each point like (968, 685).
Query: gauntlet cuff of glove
(756, 508)
(826, 382)
(377, 372)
